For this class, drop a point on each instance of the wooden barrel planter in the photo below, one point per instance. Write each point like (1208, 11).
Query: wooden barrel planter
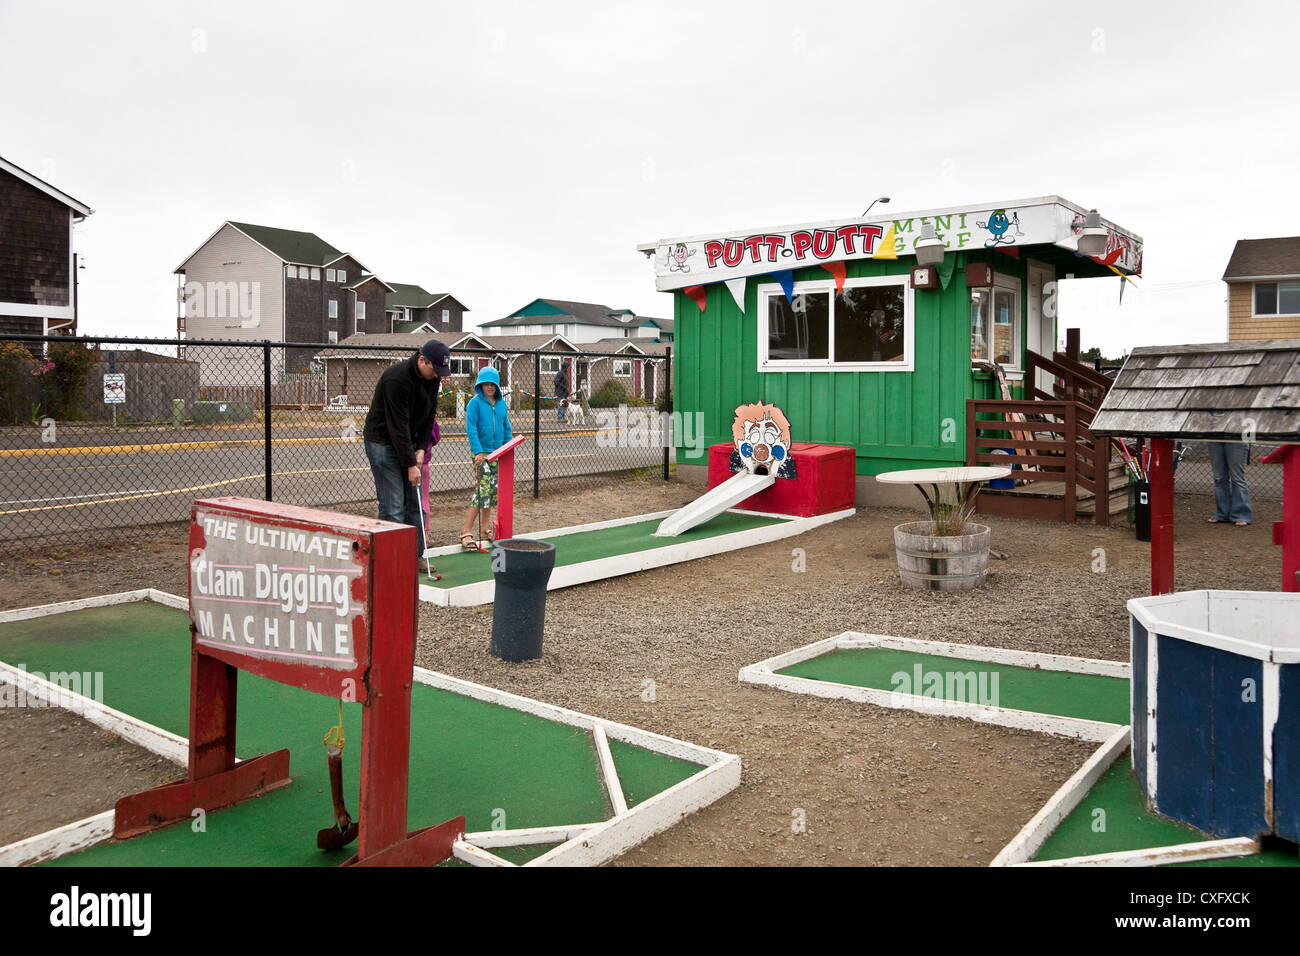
(956, 562)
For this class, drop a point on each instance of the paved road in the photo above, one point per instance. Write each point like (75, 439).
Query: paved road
(90, 484)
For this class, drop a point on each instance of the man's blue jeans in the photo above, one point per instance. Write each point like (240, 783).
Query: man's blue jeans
(1231, 495)
(399, 500)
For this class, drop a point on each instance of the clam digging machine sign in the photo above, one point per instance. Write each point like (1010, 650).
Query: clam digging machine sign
(316, 600)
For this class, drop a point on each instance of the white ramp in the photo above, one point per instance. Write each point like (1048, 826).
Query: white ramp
(726, 495)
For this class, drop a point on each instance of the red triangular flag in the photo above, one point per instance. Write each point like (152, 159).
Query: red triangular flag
(838, 271)
(698, 293)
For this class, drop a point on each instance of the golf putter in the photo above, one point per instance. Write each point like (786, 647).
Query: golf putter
(424, 534)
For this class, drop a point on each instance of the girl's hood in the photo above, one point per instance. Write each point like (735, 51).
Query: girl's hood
(487, 374)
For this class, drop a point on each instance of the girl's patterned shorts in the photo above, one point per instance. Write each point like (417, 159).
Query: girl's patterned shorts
(484, 494)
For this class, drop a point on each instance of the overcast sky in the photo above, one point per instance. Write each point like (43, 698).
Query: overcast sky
(503, 151)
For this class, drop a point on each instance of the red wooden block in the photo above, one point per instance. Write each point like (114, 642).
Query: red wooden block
(825, 480)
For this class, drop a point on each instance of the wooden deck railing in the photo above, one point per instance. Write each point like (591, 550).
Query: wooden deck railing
(1060, 449)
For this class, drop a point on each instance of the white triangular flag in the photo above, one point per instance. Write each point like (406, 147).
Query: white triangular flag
(737, 289)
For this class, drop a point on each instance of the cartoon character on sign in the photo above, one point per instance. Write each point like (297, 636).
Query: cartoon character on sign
(998, 225)
(678, 255)
(762, 436)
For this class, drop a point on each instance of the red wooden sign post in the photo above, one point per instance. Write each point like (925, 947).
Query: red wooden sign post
(1160, 473)
(316, 600)
(1287, 531)
(505, 523)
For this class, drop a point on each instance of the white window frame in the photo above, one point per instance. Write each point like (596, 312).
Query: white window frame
(343, 276)
(329, 275)
(333, 337)
(551, 364)
(1013, 283)
(767, 290)
(1277, 299)
(623, 362)
(463, 367)
(291, 272)
(334, 308)
(315, 273)
(446, 316)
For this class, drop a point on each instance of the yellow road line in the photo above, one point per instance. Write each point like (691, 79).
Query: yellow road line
(210, 445)
(260, 476)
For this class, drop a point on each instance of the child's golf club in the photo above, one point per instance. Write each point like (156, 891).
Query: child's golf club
(424, 536)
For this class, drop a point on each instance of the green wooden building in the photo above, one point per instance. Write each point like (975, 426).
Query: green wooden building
(836, 323)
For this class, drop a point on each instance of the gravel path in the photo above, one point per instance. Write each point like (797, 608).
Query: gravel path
(661, 650)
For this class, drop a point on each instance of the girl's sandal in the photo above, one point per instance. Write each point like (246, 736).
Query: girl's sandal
(468, 543)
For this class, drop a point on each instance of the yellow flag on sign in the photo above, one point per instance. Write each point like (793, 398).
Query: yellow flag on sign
(885, 248)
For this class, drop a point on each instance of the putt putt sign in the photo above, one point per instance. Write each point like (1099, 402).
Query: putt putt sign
(316, 600)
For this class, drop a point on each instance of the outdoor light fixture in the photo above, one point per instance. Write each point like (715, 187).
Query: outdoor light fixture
(873, 202)
(1092, 241)
(929, 248)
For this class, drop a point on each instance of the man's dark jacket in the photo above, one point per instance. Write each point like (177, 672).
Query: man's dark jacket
(562, 382)
(401, 413)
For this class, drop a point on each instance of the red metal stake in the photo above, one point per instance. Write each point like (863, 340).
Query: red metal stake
(1287, 531)
(504, 526)
(1160, 474)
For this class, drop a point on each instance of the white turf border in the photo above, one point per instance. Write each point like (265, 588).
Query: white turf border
(765, 673)
(585, 844)
(1025, 844)
(481, 592)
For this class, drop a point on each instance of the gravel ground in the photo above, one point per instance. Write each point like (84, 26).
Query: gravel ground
(661, 650)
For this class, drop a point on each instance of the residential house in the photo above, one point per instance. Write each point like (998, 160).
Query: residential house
(413, 309)
(1263, 277)
(351, 374)
(252, 283)
(38, 266)
(578, 322)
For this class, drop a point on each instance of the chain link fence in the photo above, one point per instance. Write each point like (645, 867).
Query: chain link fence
(100, 434)
(1195, 476)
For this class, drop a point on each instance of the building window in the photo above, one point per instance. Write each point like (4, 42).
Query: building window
(462, 367)
(315, 274)
(343, 276)
(334, 337)
(334, 308)
(361, 311)
(329, 275)
(446, 316)
(550, 364)
(1277, 298)
(622, 368)
(291, 272)
(867, 326)
(995, 322)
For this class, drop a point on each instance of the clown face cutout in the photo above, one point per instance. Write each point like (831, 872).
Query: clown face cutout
(762, 437)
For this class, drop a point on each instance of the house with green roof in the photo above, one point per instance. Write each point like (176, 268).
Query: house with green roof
(411, 308)
(251, 282)
(579, 322)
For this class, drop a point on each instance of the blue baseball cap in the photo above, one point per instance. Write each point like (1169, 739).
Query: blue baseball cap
(439, 356)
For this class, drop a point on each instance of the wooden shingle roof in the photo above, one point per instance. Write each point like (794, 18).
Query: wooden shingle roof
(1217, 392)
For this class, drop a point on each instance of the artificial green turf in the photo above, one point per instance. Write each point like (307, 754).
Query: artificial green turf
(642, 778)
(496, 766)
(1127, 824)
(1086, 696)
(470, 567)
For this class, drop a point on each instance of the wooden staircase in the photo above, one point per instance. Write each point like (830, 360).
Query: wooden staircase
(1061, 469)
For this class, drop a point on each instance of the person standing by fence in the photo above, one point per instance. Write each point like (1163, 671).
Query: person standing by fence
(1231, 493)
(399, 427)
(561, 389)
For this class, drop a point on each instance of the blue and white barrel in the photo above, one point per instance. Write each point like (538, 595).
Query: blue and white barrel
(1215, 704)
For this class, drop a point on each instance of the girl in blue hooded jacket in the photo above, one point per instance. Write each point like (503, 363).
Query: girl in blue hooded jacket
(488, 428)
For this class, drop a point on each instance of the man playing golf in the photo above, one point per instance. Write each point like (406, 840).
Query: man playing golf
(399, 425)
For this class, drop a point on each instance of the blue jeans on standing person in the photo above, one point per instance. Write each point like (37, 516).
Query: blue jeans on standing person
(1231, 495)
(399, 500)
